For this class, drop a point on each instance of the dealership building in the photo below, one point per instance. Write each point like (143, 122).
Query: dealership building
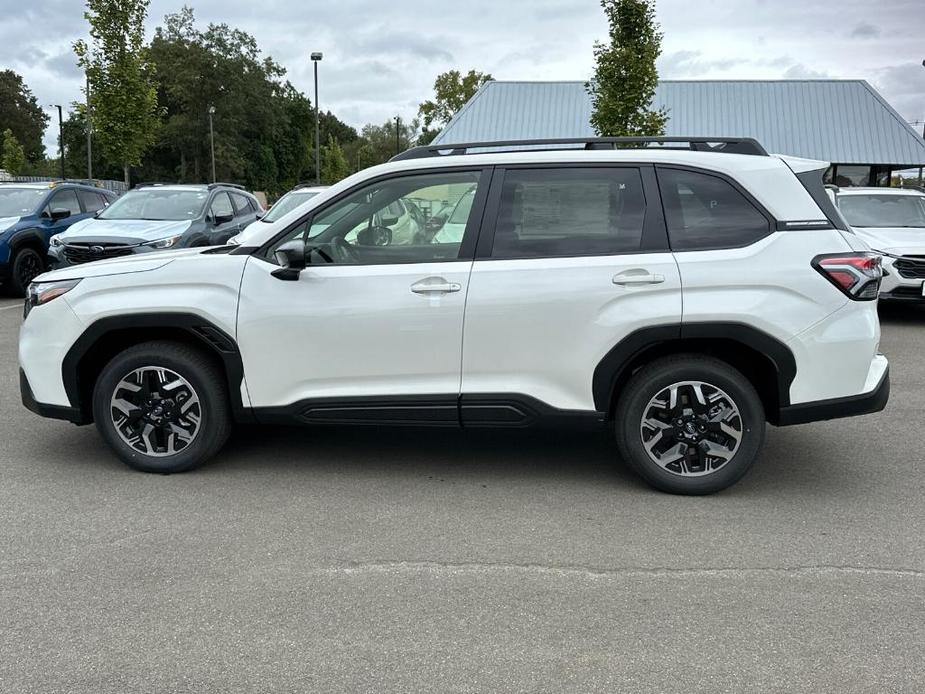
(844, 122)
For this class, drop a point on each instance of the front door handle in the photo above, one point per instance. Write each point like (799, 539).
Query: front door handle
(637, 277)
(435, 285)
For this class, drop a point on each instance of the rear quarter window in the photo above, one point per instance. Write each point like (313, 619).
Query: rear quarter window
(706, 212)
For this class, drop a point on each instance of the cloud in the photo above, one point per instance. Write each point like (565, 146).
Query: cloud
(381, 60)
(865, 31)
(801, 72)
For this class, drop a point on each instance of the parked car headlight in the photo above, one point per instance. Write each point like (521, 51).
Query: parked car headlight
(169, 242)
(56, 240)
(40, 293)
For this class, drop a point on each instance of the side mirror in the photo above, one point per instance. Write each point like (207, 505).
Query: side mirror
(223, 219)
(59, 213)
(260, 214)
(292, 260)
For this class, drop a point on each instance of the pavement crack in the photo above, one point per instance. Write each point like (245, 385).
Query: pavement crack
(593, 572)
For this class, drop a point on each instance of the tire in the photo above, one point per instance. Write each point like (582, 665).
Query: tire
(726, 407)
(198, 407)
(27, 264)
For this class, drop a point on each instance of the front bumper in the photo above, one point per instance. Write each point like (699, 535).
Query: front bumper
(865, 403)
(70, 414)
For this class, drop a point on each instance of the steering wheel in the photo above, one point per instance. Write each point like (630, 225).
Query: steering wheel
(344, 253)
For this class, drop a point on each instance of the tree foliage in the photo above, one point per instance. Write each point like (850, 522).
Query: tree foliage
(379, 143)
(12, 155)
(451, 92)
(124, 95)
(334, 166)
(625, 76)
(21, 114)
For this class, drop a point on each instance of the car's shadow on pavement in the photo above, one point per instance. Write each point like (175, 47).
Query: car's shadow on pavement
(790, 461)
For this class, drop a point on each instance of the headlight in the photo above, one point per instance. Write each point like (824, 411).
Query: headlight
(42, 292)
(164, 243)
(56, 240)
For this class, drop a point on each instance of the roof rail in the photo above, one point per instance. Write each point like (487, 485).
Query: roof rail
(226, 185)
(728, 145)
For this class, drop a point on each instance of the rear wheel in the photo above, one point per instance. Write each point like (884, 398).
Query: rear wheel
(27, 264)
(690, 424)
(162, 407)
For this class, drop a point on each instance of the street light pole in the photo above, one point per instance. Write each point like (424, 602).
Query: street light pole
(89, 137)
(60, 139)
(316, 58)
(212, 140)
(397, 135)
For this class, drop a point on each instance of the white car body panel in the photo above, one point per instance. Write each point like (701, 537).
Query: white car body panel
(539, 327)
(208, 288)
(353, 330)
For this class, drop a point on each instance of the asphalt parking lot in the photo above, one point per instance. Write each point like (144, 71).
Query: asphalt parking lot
(337, 560)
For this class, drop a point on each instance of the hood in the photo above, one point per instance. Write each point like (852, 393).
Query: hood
(123, 230)
(254, 234)
(901, 241)
(123, 265)
(7, 222)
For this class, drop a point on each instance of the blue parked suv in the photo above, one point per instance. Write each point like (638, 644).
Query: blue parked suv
(30, 214)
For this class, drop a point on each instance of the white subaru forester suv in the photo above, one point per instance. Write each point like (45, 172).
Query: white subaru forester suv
(684, 292)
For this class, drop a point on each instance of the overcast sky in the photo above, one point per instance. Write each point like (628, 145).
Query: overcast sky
(380, 58)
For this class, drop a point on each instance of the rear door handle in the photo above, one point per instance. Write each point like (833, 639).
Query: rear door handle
(637, 277)
(435, 285)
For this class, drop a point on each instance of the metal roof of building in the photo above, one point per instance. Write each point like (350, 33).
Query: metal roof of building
(840, 121)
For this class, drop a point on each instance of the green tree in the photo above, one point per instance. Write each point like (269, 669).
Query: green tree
(625, 76)
(21, 113)
(451, 92)
(124, 94)
(379, 143)
(13, 156)
(334, 166)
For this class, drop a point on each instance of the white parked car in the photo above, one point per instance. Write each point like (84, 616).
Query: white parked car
(290, 201)
(890, 220)
(683, 298)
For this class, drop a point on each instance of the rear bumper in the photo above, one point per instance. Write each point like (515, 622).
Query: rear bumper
(836, 408)
(70, 414)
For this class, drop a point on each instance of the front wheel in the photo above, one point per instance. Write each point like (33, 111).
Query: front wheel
(162, 407)
(27, 264)
(690, 424)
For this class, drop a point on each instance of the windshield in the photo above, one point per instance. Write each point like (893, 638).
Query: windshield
(287, 203)
(883, 210)
(16, 202)
(158, 205)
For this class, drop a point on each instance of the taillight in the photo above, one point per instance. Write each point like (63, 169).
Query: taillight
(857, 275)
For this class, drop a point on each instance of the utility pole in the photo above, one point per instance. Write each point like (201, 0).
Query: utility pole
(212, 140)
(60, 139)
(89, 137)
(316, 58)
(397, 135)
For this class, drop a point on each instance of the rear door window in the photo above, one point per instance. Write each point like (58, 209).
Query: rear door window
(706, 212)
(92, 201)
(242, 204)
(569, 211)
